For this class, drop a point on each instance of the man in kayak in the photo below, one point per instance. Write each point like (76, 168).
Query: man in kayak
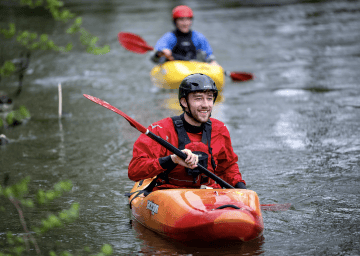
(203, 139)
(183, 43)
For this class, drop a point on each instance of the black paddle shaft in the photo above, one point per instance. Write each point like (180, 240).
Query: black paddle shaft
(183, 156)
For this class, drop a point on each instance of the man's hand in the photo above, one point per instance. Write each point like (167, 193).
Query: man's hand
(214, 63)
(165, 52)
(190, 162)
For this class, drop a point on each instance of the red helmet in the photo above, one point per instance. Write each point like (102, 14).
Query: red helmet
(182, 11)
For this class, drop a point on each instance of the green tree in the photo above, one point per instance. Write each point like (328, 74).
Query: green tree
(31, 41)
(19, 197)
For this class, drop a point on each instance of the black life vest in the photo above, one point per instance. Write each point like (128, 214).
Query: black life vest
(183, 140)
(202, 149)
(184, 48)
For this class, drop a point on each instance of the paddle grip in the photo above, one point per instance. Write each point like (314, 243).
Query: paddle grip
(183, 156)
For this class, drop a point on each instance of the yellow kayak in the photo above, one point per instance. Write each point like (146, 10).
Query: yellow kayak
(170, 74)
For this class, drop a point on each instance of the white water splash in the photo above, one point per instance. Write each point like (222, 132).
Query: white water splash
(286, 128)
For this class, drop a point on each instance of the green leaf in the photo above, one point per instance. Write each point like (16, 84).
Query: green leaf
(19, 240)
(107, 249)
(17, 116)
(100, 51)
(68, 47)
(51, 44)
(34, 46)
(37, 230)
(41, 196)
(22, 187)
(33, 36)
(10, 118)
(63, 215)
(24, 111)
(44, 38)
(10, 32)
(78, 21)
(65, 253)
(7, 69)
(10, 238)
(8, 192)
(52, 253)
(39, 2)
(18, 250)
(66, 185)
(50, 195)
(27, 202)
(93, 40)
(54, 221)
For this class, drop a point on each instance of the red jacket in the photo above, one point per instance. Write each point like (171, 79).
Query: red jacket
(146, 153)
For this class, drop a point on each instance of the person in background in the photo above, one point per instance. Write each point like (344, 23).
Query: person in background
(183, 43)
(203, 139)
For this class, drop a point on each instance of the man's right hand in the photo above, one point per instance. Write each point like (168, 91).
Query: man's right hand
(190, 162)
(165, 52)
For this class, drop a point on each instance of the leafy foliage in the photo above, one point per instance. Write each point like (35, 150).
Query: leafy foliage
(31, 41)
(7, 69)
(18, 195)
(17, 116)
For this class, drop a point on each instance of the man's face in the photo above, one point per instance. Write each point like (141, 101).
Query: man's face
(200, 105)
(184, 24)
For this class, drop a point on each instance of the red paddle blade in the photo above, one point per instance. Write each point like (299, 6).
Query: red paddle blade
(132, 122)
(275, 207)
(133, 43)
(241, 76)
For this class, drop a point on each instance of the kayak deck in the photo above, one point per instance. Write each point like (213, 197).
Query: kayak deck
(199, 214)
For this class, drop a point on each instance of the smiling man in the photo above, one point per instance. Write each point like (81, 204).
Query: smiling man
(203, 139)
(183, 43)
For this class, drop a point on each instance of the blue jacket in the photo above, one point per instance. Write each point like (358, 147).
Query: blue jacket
(169, 41)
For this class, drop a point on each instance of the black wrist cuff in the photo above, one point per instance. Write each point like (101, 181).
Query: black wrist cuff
(158, 54)
(240, 185)
(167, 163)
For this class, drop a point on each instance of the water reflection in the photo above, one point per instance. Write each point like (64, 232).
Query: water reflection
(154, 244)
(62, 151)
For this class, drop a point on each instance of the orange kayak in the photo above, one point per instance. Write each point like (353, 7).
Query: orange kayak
(198, 214)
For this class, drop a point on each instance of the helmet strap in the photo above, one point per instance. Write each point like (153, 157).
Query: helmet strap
(189, 114)
(188, 106)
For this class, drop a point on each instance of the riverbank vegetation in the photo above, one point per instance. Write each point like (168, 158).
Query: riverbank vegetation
(31, 41)
(29, 235)
(25, 235)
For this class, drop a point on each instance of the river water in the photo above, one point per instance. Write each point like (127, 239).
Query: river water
(295, 127)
